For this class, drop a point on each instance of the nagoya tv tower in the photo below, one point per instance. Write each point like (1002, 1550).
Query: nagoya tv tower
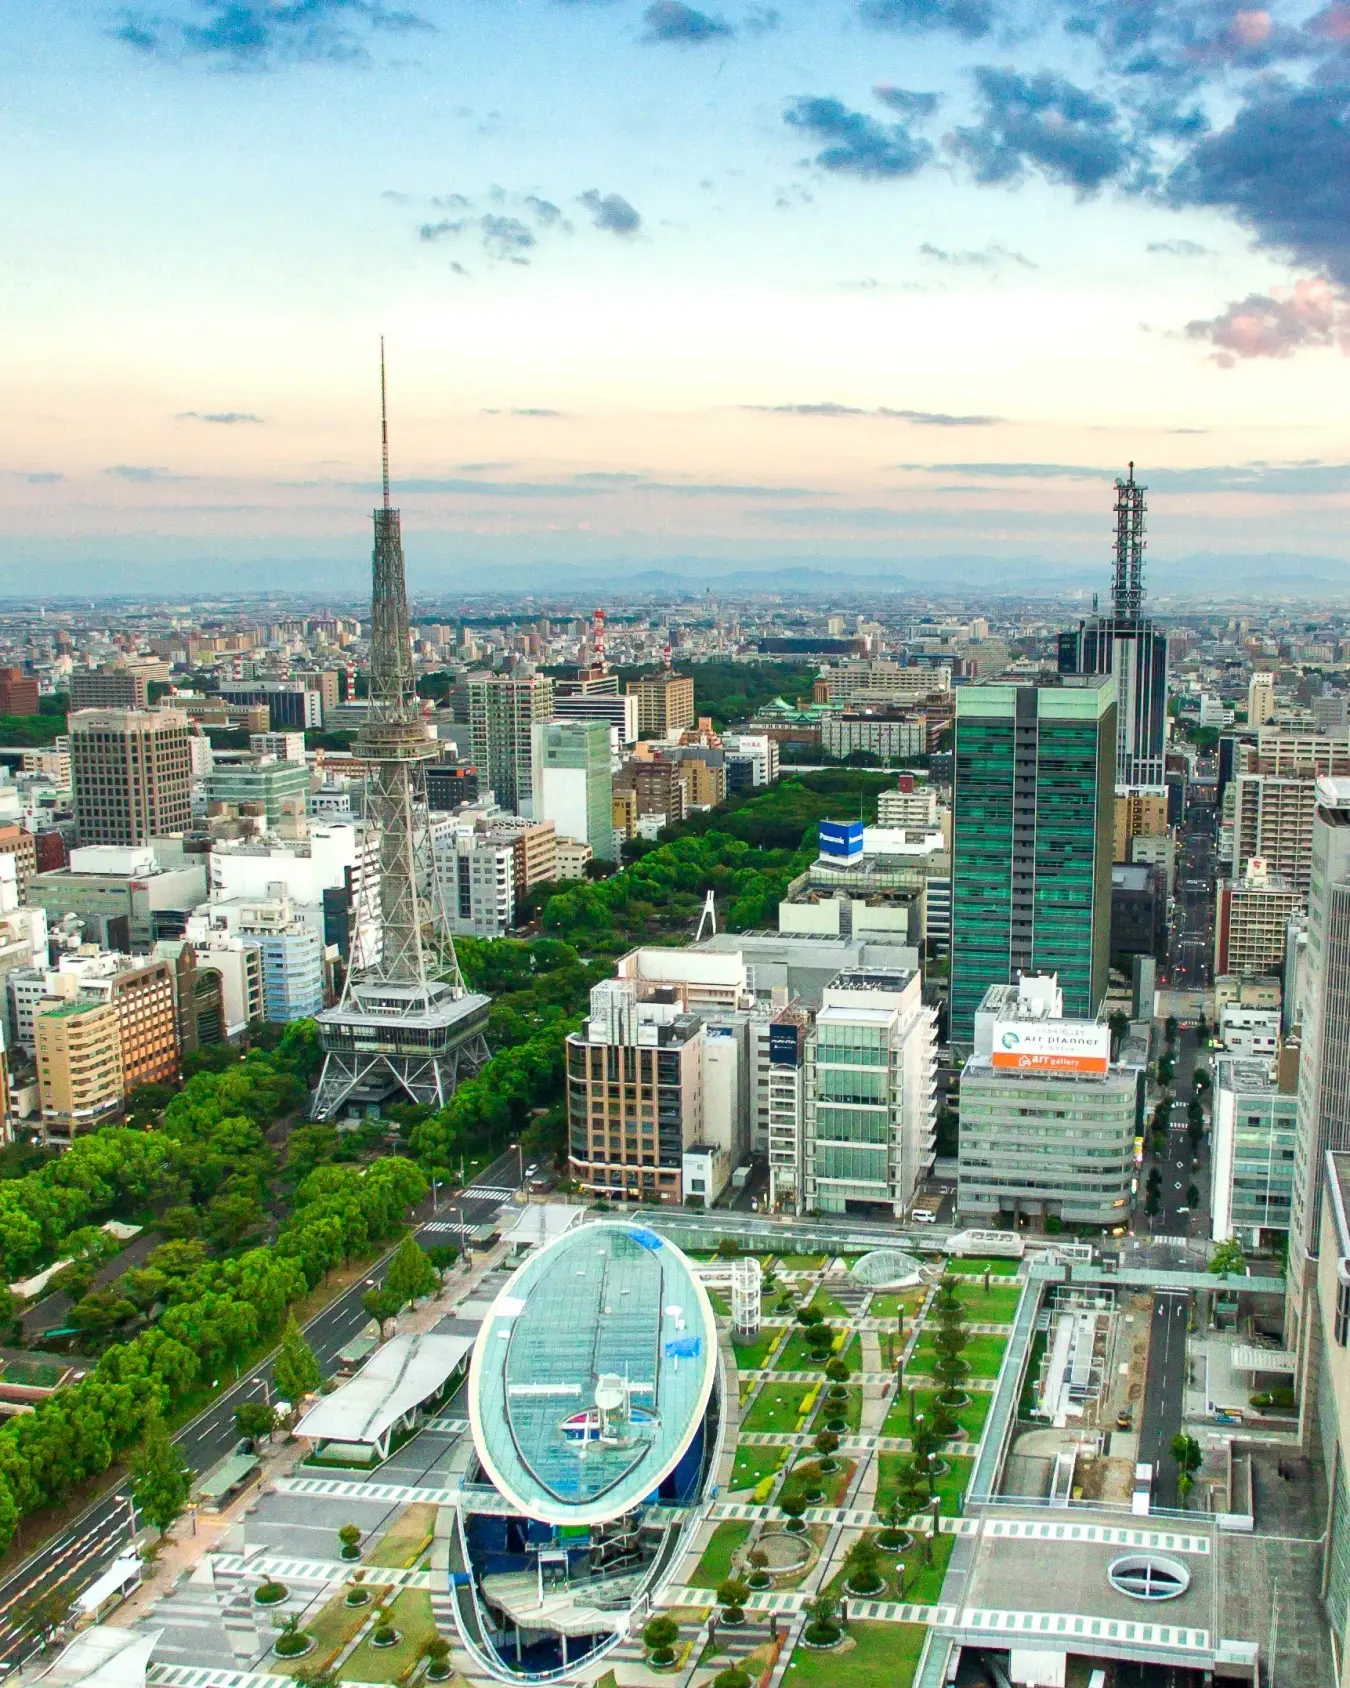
(405, 1029)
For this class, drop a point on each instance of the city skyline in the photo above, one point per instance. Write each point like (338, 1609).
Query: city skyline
(901, 280)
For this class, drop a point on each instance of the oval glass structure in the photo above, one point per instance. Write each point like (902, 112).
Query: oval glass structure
(1148, 1576)
(591, 1374)
(886, 1268)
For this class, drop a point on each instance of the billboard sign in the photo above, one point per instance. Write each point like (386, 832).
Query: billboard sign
(784, 1050)
(1074, 1048)
(840, 839)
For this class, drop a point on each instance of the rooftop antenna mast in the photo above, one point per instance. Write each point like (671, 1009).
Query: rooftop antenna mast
(384, 428)
(1127, 589)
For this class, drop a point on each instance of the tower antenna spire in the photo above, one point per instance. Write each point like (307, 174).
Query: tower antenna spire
(384, 428)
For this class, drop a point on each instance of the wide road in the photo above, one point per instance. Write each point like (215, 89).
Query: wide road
(71, 1561)
(1164, 1391)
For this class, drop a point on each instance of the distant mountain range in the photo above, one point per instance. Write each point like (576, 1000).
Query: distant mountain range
(1203, 575)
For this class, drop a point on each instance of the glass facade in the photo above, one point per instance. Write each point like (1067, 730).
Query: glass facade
(1032, 842)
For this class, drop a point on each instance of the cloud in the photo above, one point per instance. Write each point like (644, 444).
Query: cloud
(544, 210)
(673, 21)
(438, 231)
(762, 20)
(1044, 121)
(38, 477)
(506, 238)
(1282, 169)
(970, 19)
(986, 258)
(858, 144)
(611, 212)
(143, 473)
(226, 418)
(1178, 249)
(905, 101)
(523, 410)
(260, 36)
(1313, 313)
(1178, 41)
(920, 418)
(1311, 477)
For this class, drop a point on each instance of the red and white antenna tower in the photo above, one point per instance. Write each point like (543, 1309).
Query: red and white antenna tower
(598, 639)
(665, 655)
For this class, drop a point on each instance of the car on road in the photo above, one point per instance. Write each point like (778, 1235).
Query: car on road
(1124, 1418)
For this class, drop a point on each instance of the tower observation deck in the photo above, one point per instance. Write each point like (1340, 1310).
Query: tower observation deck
(406, 1028)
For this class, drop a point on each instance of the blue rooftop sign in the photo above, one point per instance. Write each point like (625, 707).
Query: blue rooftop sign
(843, 839)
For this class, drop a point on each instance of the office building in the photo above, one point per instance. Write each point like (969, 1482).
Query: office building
(131, 774)
(1324, 1061)
(19, 843)
(142, 993)
(619, 713)
(1252, 921)
(869, 1082)
(573, 785)
(1124, 643)
(276, 793)
(1248, 1031)
(18, 692)
(1031, 841)
(109, 687)
(1255, 1124)
(1137, 814)
(1260, 699)
(915, 806)
(476, 872)
(286, 746)
(1331, 714)
(291, 954)
(1138, 914)
(751, 760)
(503, 713)
(291, 705)
(124, 898)
(1047, 1122)
(634, 1093)
(665, 703)
(79, 1067)
(238, 962)
(889, 737)
(198, 995)
(658, 786)
(450, 785)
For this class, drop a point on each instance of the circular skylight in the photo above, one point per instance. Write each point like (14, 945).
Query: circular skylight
(1149, 1576)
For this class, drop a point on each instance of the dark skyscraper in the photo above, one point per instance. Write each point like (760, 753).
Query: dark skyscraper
(1125, 643)
(1031, 841)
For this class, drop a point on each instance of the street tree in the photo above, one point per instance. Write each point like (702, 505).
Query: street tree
(1228, 1260)
(161, 1477)
(255, 1419)
(295, 1370)
(382, 1304)
(411, 1274)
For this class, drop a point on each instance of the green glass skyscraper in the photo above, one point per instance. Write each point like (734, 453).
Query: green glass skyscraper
(1032, 841)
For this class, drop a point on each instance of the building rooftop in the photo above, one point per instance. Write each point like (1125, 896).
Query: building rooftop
(396, 1378)
(591, 1374)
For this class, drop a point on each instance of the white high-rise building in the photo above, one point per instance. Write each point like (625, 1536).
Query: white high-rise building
(1260, 699)
(1324, 1064)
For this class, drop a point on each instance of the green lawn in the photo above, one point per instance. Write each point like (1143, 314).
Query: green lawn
(715, 1566)
(753, 1464)
(974, 1265)
(889, 1305)
(720, 1304)
(807, 1472)
(751, 1356)
(776, 1407)
(413, 1621)
(796, 1355)
(334, 1626)
(852, 1413)
(971, 1418)
(922, 1583)
(801, 1262)
(983, 1354)
(948, 1487)
(883, 1653)
(996, 1305)
(831, 1308)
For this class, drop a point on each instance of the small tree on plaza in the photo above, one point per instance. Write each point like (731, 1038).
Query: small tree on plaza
(949, 1340)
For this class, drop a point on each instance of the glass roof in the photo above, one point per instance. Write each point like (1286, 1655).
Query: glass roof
(591, 1373)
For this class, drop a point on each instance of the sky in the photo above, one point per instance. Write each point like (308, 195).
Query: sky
(849, 282)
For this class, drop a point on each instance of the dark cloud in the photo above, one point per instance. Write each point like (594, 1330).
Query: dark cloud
(260, 36)
(1313, 313)
(905, 101)
(40, 477)
(611, 212)
(506, 238)
(1179, 41)
(988, 257)
(438, 231)
(858, 144)
(1282, 169)
(1178, 249)
(225, 417)
(1045, 122)
(141, 472)
(452, 202)
(970, 19)
(544, 210)
(673, 21)
(920, 418)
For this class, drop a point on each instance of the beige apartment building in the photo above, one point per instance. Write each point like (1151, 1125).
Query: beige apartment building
(131, 770)
(1252, 920)
(665, 703)
(79, 1062)
(1138, 814)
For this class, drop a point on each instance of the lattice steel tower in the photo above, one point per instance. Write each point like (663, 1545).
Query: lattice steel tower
(406, 1028)
(1127, 589)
